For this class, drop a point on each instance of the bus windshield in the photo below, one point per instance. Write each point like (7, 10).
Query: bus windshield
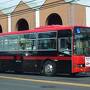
(82, 41)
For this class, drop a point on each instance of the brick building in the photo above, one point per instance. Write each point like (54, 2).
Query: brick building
(23, 17)
(3, 22)
(61, 12)
(51, 12)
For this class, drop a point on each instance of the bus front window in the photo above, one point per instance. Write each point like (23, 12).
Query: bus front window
(82, 41)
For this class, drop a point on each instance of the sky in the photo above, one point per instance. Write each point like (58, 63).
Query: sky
(9, 3)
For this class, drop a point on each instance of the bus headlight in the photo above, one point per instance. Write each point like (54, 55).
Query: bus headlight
(80, 65)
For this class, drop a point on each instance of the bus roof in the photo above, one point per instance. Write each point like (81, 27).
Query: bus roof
(41, 29)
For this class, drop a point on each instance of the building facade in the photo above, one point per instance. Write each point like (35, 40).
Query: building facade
(22, 18)
(3, 22)
(63, 13)
(50, 13)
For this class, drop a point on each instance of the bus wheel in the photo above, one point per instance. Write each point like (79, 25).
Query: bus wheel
(49, 68)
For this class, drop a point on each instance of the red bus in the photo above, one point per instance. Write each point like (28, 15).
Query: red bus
(49, 50)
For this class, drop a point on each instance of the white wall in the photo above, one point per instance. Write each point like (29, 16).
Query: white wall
(88, 16)
(37, 18)
(9, 23)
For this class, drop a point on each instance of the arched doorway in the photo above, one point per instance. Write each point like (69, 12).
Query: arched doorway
(1, 29)
(22, 24)
(54, 19)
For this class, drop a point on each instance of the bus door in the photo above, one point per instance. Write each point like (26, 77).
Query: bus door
(64, 50)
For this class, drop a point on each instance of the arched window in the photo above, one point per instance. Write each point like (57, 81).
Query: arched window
(54, 19)
(1, 29)
(22, 24)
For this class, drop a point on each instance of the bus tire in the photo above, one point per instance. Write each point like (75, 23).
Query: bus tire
(49, 68)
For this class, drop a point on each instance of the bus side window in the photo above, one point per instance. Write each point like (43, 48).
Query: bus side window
(68, 43)
(65, 45)
(31, 45)
(62, 43)
(1, 43)
(30, 41)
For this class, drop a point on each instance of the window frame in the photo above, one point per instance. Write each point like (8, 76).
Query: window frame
(38, 39)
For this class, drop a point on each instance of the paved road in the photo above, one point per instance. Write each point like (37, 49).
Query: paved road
(37, 82)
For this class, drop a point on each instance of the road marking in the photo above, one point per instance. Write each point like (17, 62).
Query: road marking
(46, 81)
